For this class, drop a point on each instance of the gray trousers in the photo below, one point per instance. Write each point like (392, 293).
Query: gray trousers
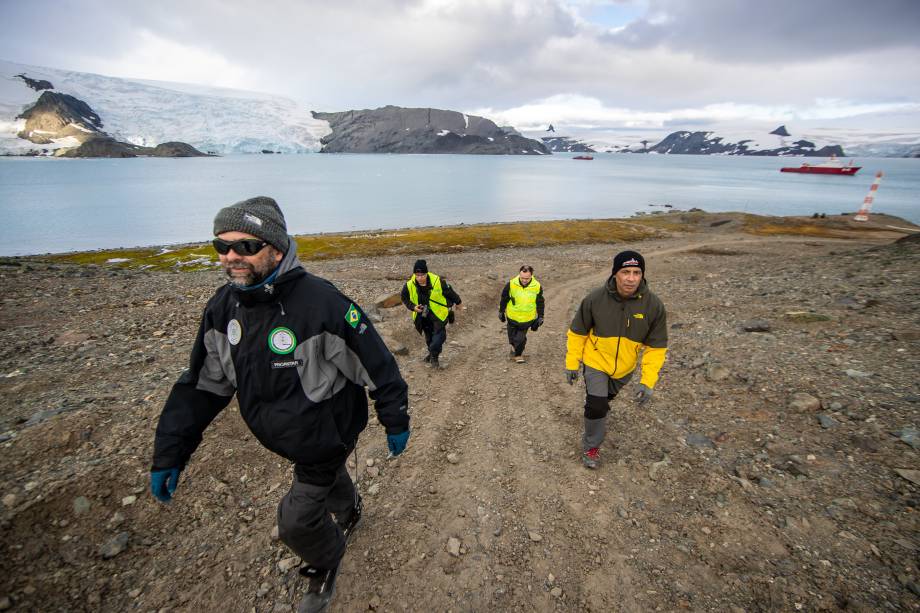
(600, 389)
(305, 521)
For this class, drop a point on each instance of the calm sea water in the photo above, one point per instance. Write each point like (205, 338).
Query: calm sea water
(53, 205)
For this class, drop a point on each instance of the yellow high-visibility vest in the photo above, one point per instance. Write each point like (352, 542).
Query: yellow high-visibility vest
(436, 301)
(523, 303)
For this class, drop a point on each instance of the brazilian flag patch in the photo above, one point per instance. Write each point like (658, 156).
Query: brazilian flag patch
(353, 316)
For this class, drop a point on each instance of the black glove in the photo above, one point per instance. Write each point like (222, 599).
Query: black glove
(536, 323)
(501, 316)
(571, 376)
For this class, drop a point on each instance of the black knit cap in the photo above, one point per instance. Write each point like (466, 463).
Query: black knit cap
(420, 266)
(260, 216)
(628, 258)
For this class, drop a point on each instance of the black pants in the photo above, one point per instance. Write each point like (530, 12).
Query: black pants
(517, 335)
(435, 334)
(305, 519)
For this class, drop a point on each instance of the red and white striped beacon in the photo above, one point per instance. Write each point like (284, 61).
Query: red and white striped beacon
(863, 213)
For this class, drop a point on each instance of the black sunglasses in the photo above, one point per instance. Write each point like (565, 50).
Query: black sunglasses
(244, 246)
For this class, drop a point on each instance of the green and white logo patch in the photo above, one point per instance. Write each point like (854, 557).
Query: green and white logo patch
(353, 316)
(282, 340)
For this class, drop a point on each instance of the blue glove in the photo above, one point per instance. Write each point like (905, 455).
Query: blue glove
(644, 394)
(164, 482)
(396, 443)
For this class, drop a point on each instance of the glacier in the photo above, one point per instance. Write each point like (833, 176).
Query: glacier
(147, 113)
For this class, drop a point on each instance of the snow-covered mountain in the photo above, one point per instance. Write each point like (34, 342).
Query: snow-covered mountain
(151, 112)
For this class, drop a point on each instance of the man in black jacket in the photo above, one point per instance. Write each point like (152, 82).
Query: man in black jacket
(299, 355)
(431, 300)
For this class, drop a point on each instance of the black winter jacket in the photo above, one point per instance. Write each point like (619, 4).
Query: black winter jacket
(298, 354)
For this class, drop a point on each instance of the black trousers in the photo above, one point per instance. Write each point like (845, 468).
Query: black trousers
(517, 335)
(435, 334)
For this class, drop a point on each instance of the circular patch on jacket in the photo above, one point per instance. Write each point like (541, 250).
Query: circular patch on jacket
(234, 332)
(282, 340)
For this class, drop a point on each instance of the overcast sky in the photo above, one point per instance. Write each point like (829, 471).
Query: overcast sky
(580, 63)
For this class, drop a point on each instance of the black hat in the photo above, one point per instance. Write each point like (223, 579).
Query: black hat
(420, 266)
(260, 216)
(625, 259)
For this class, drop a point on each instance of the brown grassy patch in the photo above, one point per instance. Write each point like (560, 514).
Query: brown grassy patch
(706, 250)
(390, 242)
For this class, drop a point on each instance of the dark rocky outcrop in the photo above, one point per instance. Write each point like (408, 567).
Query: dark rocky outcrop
(56, 115)
(36, 84)
(108, 147)
(703, 143)
(566, 144)
(394, 129)
(781, 131)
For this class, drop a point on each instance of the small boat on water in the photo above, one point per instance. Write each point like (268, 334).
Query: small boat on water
(831, 167)
(583, 157)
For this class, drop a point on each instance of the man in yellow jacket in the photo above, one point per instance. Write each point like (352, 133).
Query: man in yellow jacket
(613, 325)
(431, 300)
(521, 305)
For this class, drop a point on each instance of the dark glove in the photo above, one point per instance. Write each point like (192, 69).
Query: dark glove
(164, 482)
(571, 376)
(396, 443)
(501, 316)
(644, 393)
(536, 323)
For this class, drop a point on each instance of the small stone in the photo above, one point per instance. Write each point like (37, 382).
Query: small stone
(128, 500)
(718, 373)
(9, 501)
(374, 489)
(370, 462)
(800, 401)
(699, 441)
(556, 592)
(432, 489)
(764, 482)
(805, 316)
(80, 505)
(911, 475)
(117, 519)
(374, 604)
(827, 422)
(287, 564)
(535, 537)
(373, 472)
(264, 589)
(135, 592)
(622, 513)
(453, 546)
(756, 325)
(453, 458)
(115, 545)
(274, 533)
(857, 374)
(909, 435)
(551, 578)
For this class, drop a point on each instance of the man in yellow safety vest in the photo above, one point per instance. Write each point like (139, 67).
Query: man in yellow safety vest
(521, 305)
(431, 300)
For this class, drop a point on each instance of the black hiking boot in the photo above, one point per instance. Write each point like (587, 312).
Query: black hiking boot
(320, 589)
(427, 358)
(348, 525)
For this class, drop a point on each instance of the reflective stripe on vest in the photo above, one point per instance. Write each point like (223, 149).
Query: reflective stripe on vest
(436, 296)
(523, 303)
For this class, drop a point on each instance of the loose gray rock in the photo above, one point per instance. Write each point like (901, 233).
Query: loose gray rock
(695, 439)
(287, 564)
(453, 458)
(827, 422)
(453, 546)
(756, 325)
(80, 505)
(115, 545)
(909, 435)
(536, 537)
(718, 373)
(857, 374)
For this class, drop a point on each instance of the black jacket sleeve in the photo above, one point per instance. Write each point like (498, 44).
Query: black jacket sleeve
(540, 302)
(449, 293)
(506, 296)
(366, 360)
(197, 397)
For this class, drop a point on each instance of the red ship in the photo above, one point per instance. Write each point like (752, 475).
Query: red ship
(583, 157)
(831, 167)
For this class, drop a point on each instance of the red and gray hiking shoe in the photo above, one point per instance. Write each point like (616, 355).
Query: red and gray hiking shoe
(591, 458)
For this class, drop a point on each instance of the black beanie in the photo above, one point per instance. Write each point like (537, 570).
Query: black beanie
(420, 266)
(260, 216)
(628, 258)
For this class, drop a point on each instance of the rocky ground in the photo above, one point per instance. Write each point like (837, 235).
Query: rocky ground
(776, 468)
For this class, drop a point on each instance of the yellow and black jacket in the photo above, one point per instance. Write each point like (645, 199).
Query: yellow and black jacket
(609, 332)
